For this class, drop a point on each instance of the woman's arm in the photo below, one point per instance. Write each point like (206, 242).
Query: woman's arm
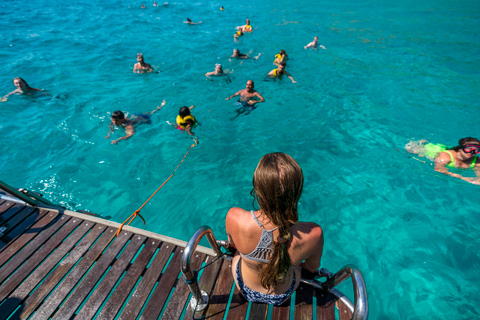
(440, 165)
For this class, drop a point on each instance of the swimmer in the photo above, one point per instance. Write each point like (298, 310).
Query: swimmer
(165, 4)
(248, 99)
(22, 88)
(238, 34)
(185, 121)
(219, 72)
(247, 27)
(463, 156)
(143, 6)
(141, 66)
(119, 120)
(189, 21)
(238, 55)
(155, 4)
(278, 73)
(222, 9)
(314, 44)
(281, 57)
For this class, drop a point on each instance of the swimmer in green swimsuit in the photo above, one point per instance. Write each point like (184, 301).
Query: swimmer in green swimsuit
(463, 156)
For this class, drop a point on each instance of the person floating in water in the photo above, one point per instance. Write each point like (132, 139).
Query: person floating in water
(189, 21)
(314, 44)
(222, 8)
(141, 66)
(279, 72)
(219, 72)
(281, 57)
(185, 121)
(247, 27)
(248, 99)
(22, 88)
(463, 156)
(143, 6)
(155, 4)
(238, 55)
(119, 120)
(238, 34)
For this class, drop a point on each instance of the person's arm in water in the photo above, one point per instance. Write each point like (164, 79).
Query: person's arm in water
(6, 96)
(208, 74)
(159, 107)
(234, 95)
(290, 76)
(111, 128)
(129, 131)
(440, 165)
(259, 96)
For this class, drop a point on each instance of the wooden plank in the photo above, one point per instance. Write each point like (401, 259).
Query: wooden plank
(142, 291)
(26, 237)
(86, 285)
(221, 292)
(34, 300)
(343, 312)
(325, 305)
(180, 295)
(258, 311)
(44, 268)
(24, 270)
(282, 311)
(4, 207)
(17, 218)
(117, 299)
(17, 230)
(207, 280)
(108, 282)
(12, 212)
(165, 285)
(304, 302)
(48, 307)
(30, 248)
(238, 306)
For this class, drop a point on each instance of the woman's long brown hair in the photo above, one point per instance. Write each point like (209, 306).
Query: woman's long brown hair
(277, 187)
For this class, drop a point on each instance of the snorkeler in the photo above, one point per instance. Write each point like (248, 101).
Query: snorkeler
(248, 99)
(281, 57)
(463, 156)
(189, 21)
(246, 28)
(22, 88)
(141, 66)
(279, 72)
(314, 44)
(119, 120)
(185, 120)
(238, 55)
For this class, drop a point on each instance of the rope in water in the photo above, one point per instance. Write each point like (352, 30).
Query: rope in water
(137, 212)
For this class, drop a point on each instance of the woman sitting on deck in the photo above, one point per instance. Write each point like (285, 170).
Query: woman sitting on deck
(271, 243)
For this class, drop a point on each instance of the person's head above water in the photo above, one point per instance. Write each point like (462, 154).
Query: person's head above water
(250, 85)
(248, 22)
(282, 52)
(277, 187)
(184, 111)
(281, 66)
(140, 57)
(315, 39)
(218, 68)
(118, 117)
(20, 83)
(189, 20)
(468, 145)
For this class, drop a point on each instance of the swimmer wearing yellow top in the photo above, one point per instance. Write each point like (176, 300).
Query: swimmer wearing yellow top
(185, 120)
(281, 57)
(247, 27)
(238, 34)
(222, 9)
(278, 73)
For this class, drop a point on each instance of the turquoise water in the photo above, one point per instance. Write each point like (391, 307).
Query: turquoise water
(392, 72)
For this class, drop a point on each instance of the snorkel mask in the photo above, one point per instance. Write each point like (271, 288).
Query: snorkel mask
(471, 148)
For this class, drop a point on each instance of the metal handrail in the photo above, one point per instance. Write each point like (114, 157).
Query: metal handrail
(199, 299)
(26, 196)
(360, 309)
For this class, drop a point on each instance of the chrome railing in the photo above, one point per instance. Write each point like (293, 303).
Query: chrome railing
(199, 299)
(359, 309)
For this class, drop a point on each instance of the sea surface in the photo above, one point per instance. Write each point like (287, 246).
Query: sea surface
(393, 71)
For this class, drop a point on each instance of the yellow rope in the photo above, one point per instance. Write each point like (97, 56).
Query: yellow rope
(137, 212)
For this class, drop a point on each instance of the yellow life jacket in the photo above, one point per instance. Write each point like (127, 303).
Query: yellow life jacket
(248, 27)
(279, 57)
(183, 122)
(276, 75)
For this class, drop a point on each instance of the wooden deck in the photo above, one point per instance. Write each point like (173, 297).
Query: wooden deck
(67, 265)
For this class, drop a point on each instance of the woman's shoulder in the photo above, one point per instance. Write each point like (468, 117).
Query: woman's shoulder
(307, 231)
(237, 214)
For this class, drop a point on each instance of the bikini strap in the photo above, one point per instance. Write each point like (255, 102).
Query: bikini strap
(451, 156)
(258, 222)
